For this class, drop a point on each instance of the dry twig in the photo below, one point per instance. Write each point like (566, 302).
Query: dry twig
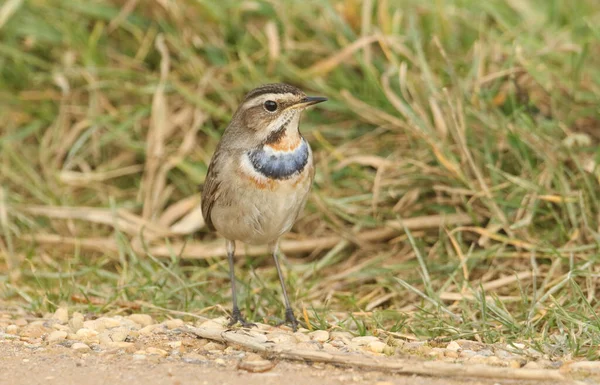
(250, 341)
(197, 250)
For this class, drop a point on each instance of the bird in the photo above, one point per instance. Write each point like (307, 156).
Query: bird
(259, 178)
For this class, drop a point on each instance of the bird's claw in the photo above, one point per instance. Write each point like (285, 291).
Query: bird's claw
(236, 316)
(290, 319)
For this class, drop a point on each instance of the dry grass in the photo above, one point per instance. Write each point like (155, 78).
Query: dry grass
(457, 190)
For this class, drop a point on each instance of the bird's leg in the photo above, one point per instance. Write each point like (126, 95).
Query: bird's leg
(289, 313)
(236, 315)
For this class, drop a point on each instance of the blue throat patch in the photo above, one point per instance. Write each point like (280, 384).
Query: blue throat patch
(279, 166)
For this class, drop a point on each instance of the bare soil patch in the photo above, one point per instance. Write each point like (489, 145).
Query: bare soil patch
(61, 365)
(64, 348)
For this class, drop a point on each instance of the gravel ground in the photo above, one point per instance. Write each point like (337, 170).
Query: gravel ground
(21, 366)
(65, 348)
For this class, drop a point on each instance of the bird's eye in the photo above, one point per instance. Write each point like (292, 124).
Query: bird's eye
(270, 106)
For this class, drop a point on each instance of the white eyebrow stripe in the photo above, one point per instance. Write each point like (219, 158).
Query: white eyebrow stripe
(259, 100)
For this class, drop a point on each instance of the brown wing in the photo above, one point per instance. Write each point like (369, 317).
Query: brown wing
(210, 189)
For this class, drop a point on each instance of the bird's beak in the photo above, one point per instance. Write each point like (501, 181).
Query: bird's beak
(308, 101)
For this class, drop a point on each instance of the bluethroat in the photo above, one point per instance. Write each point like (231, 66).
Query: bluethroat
(259, 177)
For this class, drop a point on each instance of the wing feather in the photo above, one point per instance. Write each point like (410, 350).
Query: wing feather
(210, 190)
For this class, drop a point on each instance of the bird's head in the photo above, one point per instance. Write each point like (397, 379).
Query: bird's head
(270, 112)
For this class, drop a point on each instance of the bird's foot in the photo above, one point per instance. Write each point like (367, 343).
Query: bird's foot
(290, 319)
(236, 316)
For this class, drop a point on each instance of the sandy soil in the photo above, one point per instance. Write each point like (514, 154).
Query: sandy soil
(61, 365)
(72, 348)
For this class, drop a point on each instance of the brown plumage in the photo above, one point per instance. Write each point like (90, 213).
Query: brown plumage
(260, 175)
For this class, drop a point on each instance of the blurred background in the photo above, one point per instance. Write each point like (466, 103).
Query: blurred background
(457, 188)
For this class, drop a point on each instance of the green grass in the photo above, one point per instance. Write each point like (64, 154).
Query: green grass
(485, 108)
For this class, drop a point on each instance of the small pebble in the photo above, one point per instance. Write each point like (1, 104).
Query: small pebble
(148, 329)
(194, 358)
(301, 337)
(57, 335)
(138, 357)
(232, 350)
(61, 315)
(319, 335)
(122, 345)
(64, 328)
(157, 351)
(256, 366)
(515, 364)
(414, 345)
(12, 329)
(119, 334)
(6, 336)
(470, 345)
(453, 346)
(87, 335)
(141, 319)
(76, 321)
(389, 350)
(532, 365)
(72, 336)
(80, 347)
(213, 346)
(108, 323)
(341, 335)
(493, 360)
(467, 353)
(104, 338)
(376, 346)
(437, 352)
(478, 359)
(364, 340)
(93, 325)
(220, 361)
(173, 323)
(424, 349)
(35, 330)
(329, 347)
(253, 357)
(21, 322)
(503, 354)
